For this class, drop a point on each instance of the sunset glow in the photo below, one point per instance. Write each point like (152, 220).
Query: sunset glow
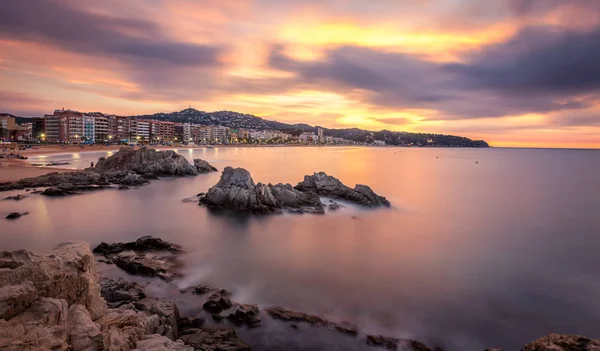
(511, 72)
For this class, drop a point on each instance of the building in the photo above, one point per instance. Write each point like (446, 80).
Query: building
(89, 129)
(7, 127)
(308, 138)
(219, 135)
(178, 135)
(101, 129)
(161, 131)
(320, 135)
(75, 128)
(379, 142)
(118, 128)
(143, 130)
(38, 130)
(56, 128)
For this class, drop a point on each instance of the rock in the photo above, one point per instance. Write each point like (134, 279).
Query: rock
(190, 322)
(325, 185)
(209, 339)
(132, 179)
(52, 301)
(245, 314)
(118, 292)
(15, 215)
(18, 197)
(316, 321)
(237, 191)
(558, 342)
(15, 299)
(123, 187)
(121, 328)
(203, 166)
(56, 192)
(127, 167)
(83, 334)
(218, 302)
(166, 311)
(494, 349)
(147, 256)
(42, 326)
(143, 244)
(146, 161)
(396, 344)
(334, 206)
(156, 342)
(68, 272)
(197, 289)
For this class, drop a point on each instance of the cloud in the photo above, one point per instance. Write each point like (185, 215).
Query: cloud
(541, 69)
(61, 24)
(538, 60)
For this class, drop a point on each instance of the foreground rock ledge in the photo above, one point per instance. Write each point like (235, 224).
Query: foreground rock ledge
(237, 191)
(127, 167)
(52, 301)
(147, 256)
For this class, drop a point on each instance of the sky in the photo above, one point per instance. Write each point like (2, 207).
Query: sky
(512, 72)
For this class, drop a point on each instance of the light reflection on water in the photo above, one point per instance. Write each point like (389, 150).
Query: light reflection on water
(473, 255)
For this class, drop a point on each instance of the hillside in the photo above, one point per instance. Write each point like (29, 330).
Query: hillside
(240, 120)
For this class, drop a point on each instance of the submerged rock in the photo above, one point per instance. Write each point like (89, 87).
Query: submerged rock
(397, 344)
(15, 215)
(293, 316)
(326, 185)
(18, 197)
(147, 256)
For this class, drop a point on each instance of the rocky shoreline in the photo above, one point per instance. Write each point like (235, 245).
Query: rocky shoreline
(127, 167)
(57, 301)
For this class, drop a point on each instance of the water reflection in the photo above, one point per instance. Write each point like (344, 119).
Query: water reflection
(473, 255)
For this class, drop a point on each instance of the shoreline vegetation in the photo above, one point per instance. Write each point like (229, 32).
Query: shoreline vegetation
(57, 300)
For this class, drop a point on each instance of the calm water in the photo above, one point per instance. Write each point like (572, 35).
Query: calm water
(473, 255)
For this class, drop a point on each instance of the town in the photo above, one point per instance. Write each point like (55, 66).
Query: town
(73, 127)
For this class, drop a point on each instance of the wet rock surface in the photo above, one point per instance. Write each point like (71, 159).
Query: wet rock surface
(127, 167)
(325, 185)
(293, 316)
(147, 256)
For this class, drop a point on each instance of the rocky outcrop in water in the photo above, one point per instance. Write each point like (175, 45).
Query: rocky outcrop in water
(326, 185)
(127, 167)
(145, 161)
(237, 191)
(316, 321)
(146, 256)
(203, 166)
(18, 197)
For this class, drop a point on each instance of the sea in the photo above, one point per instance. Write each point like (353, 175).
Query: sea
(481, 248)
